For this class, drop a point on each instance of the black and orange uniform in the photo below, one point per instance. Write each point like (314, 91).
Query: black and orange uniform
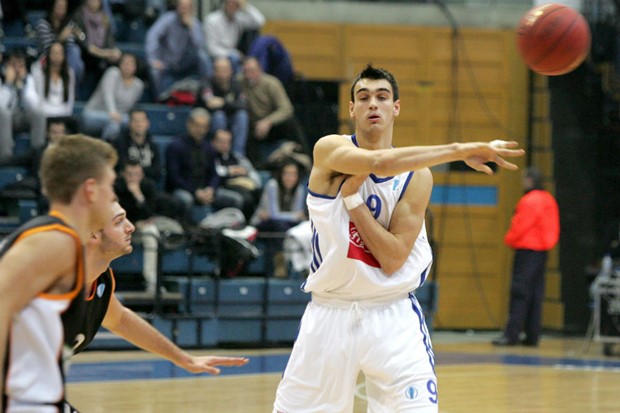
(97, 302)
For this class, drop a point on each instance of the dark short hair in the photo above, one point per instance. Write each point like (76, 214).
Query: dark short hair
(375, 73)
(137, 109)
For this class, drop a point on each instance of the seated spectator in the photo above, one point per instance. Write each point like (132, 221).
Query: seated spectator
(30, 186)
(54, 83)
(143, 201)
(135, 142)
(175, 48)
(97, 43)
(224, 28)
(271, 112)
(58, 26)
(225, 100)
(282, 206)
(18, 110)
(236, 172)
(108, 107)
(190, 169)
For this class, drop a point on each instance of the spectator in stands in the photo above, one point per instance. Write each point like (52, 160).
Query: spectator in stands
(143, 201)
(30, 186)
(224, 99)
(136, 142)
(190, 168)
(97, 43)
(18, 112)
(175, 48)
(58, 26)
(224, 28)
(108, 107)
(54, 83)
(271, 113)
(236, 172)
(282, 206)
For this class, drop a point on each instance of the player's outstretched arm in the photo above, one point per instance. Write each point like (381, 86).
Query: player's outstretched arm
(128, 325)
(339, 154)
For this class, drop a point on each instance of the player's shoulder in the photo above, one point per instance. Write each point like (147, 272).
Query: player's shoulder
(332, 140)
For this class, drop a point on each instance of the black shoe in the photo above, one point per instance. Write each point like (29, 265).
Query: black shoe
(504, 342)
(530, 343)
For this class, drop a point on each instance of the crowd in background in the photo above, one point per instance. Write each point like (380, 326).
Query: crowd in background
(240, 117)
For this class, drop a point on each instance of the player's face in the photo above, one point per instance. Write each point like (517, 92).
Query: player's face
(374, 107)
(116, 235)
(104, 198)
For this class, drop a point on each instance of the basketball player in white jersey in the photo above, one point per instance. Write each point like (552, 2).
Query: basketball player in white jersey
(370, 253)
(42, 274)
(103, 308)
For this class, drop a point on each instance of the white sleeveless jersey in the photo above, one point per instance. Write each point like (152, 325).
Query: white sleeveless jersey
(42, 334)
(341, 266)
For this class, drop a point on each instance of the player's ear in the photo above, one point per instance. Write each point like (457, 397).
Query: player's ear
(95, 237)
(90, 189)
(351, 112)
(397, 107)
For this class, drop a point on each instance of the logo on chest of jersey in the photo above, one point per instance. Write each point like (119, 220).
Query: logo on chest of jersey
(357, 249)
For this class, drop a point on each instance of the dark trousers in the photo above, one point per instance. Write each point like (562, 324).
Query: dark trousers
(258, 151)
(526, 295)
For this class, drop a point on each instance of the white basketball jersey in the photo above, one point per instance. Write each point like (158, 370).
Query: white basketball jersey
(341, 266)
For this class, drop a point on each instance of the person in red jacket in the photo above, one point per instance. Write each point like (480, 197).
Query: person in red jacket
(534, 230)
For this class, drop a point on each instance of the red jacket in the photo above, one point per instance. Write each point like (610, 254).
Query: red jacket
(535, 224)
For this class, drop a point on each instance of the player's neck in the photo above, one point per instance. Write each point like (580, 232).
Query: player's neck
(95, 265)
(374, 141)
(74, 217)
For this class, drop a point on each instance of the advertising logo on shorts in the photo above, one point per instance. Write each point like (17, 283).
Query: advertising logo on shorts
(411, 393)
(357, 249)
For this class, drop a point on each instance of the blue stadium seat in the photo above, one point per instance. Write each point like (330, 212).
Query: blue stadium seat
(166, 120)
(22, 143)
(11, 174)
(22, 42)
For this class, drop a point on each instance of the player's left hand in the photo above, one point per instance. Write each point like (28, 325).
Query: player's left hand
(478, 154)
(206, 364)
(352, 184)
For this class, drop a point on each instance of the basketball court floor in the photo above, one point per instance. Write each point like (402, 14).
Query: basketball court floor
(562, 375)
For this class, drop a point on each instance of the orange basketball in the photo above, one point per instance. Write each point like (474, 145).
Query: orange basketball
(553, 39)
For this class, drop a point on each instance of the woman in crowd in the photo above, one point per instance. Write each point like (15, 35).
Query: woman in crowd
(108, 107)
(54, 83)
(58, 26)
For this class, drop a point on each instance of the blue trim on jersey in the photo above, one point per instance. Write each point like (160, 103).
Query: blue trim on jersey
(317, 257)
(405, 185)
(378, 180)
(322, 196)
(415, 305)
(423, 275)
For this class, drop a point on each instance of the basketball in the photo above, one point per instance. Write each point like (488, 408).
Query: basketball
(553, 39)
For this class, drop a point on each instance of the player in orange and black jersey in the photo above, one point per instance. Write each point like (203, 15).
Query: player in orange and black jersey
(42, 274)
